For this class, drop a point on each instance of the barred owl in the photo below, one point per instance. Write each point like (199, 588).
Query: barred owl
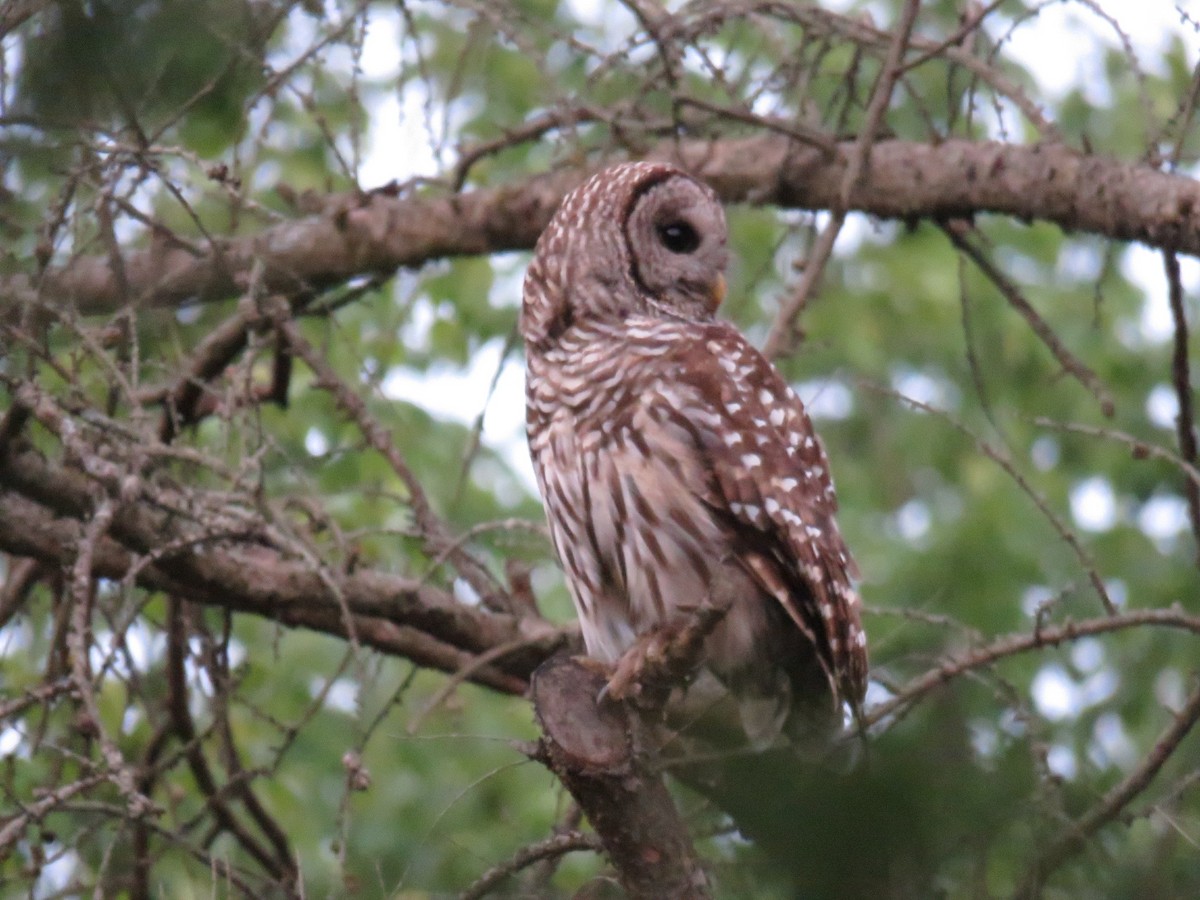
(676, 465)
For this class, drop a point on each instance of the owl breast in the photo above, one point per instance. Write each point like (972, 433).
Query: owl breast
(633, 509)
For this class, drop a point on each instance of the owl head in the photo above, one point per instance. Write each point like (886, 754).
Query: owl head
(635, 239)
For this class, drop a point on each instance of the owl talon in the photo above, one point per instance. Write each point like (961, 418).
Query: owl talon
(603, 669)
(603, 695)
(641, 673)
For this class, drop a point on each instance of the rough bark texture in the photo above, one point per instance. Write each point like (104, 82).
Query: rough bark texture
(395, 614)
(593, 748)
(357, 235)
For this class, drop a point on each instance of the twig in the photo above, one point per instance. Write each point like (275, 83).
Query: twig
(859, 158)
(538, 879)
(185, 730)
(1070, 363)
(79, 645)
(209, 359)
(551, 848)
(266, 584)
(1185, 421)
(1011, 645)
(1109, 807)
(1138, 447)
(433, 531)
(464, 674)
(972, 19)
(1000, 459)
(41, 694)
(22, 576)
(11, 832)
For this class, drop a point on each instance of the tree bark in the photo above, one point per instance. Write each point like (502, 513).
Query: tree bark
(376, 232)
(594, 749)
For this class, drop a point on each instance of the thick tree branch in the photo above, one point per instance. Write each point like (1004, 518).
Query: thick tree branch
(906, 180)
(395, 614)
(594, 750)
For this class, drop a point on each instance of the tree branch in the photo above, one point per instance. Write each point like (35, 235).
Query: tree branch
(395, 614)
(1109, 807)
(371, 233)
(1010, 645)
(594, 750)
(551, 848)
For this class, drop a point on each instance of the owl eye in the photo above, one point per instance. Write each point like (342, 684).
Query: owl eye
(679, 237)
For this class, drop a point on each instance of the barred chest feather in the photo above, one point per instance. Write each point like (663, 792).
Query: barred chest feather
(627, 449)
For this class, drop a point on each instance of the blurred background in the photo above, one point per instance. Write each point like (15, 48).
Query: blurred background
(1001, 402)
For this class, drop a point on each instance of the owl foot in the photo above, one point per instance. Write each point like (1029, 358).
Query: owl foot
(661, 659)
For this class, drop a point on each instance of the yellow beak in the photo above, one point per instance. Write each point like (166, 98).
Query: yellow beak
(718, 291)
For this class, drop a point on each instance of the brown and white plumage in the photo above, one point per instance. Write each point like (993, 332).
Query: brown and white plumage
(676, 465)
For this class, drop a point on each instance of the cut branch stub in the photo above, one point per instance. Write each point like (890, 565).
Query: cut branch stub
(580, 733)
(593, 749)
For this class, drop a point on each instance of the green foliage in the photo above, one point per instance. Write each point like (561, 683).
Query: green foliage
(967, 517)
(122, 65)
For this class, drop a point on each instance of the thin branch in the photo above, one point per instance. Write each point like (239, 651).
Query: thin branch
(486, 658)
(1110, 806)
(34, 696)
(21, 578)
(185, 730)
(434, 532)
(1139, 448)
(1040, 327)
(999, 458)
(857, 164)
(972, 19)
(79, 646)
(1181, 380)
(35, 812)
(421, 623)
(551, 848)
(1011, 645)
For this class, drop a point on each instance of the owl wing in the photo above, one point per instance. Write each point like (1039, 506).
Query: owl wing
(770, 480)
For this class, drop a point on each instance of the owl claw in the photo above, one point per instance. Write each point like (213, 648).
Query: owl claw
(625, 681)
(658, 660)
(600, 668)
(645, 666)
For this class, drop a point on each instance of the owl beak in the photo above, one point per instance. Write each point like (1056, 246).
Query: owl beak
(717, 293)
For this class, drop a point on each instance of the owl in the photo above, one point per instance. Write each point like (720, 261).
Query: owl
(677, 467)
